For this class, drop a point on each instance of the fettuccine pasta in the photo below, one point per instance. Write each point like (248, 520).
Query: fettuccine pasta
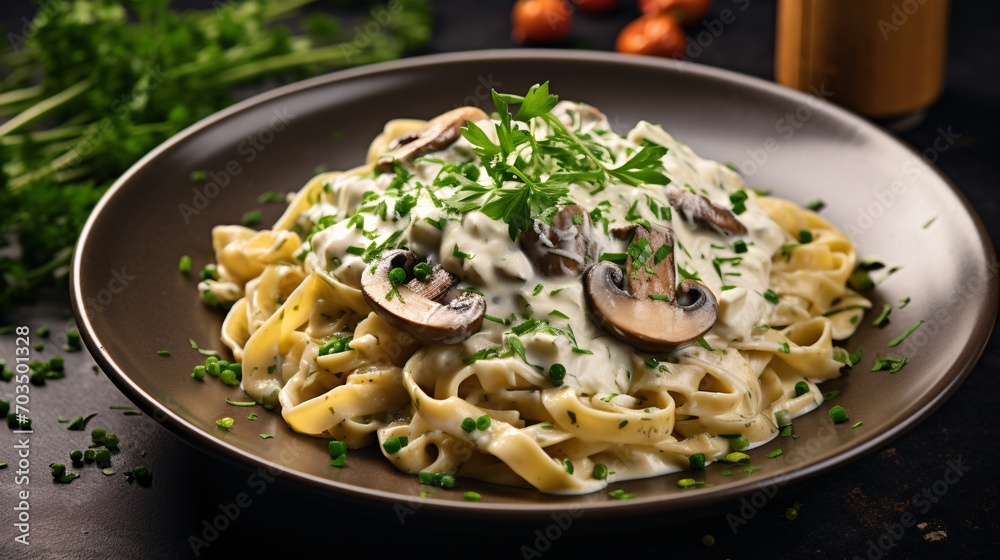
(553, 377)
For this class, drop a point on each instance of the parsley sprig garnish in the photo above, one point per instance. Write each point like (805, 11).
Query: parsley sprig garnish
(529, 175)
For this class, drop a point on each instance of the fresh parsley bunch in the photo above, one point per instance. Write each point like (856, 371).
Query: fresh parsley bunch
(91, 86)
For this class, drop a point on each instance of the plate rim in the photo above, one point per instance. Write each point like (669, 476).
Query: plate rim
(706, 498)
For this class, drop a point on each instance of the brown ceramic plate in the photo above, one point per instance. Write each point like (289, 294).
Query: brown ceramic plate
(131, 301)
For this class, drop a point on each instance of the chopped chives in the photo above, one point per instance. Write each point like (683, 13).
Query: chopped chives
(337, 448)
(525, 327)
(422, 270)
(855, 357)
(883, 317)
(468, 424)
(165, 353)
(228, 377)
(888, 363)
(662, 253)
(58, 469)
(777, 452)
(252, 218)
(394, 444)
(80, 423)
(461, 255)
(737, 457)
(815, 205)
(397, 276)
(830, 395)
(696, 462)
(557, 373)
(801, 388)
(568, 465)
(621, 495)
(856, 424)
(444, 480)
(240, 403)
(838, 414)
(266, 436)
(771, 296)
(899, 339)
(471, 496)
(600, 471)
(739, 246)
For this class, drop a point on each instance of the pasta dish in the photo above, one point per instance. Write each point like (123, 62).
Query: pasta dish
(533, 299)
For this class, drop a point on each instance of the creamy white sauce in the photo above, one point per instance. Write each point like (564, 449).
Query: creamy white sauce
(508, 279)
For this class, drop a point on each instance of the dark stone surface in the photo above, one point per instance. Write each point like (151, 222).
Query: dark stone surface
(843, 514)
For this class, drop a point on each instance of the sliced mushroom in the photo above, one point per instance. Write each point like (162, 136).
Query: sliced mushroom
(560, 249)
(701, 210)
(650, 316)
(439, 133)
(417, 307)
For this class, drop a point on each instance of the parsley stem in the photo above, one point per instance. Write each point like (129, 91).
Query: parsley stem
(527, 181)
(39, 109)
(18, 95)
(554, 122)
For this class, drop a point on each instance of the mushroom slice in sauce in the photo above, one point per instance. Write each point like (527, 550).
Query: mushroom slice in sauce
(651, 316)
(417, 307)
(700, 209)
(439, 133)
(560, 249)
